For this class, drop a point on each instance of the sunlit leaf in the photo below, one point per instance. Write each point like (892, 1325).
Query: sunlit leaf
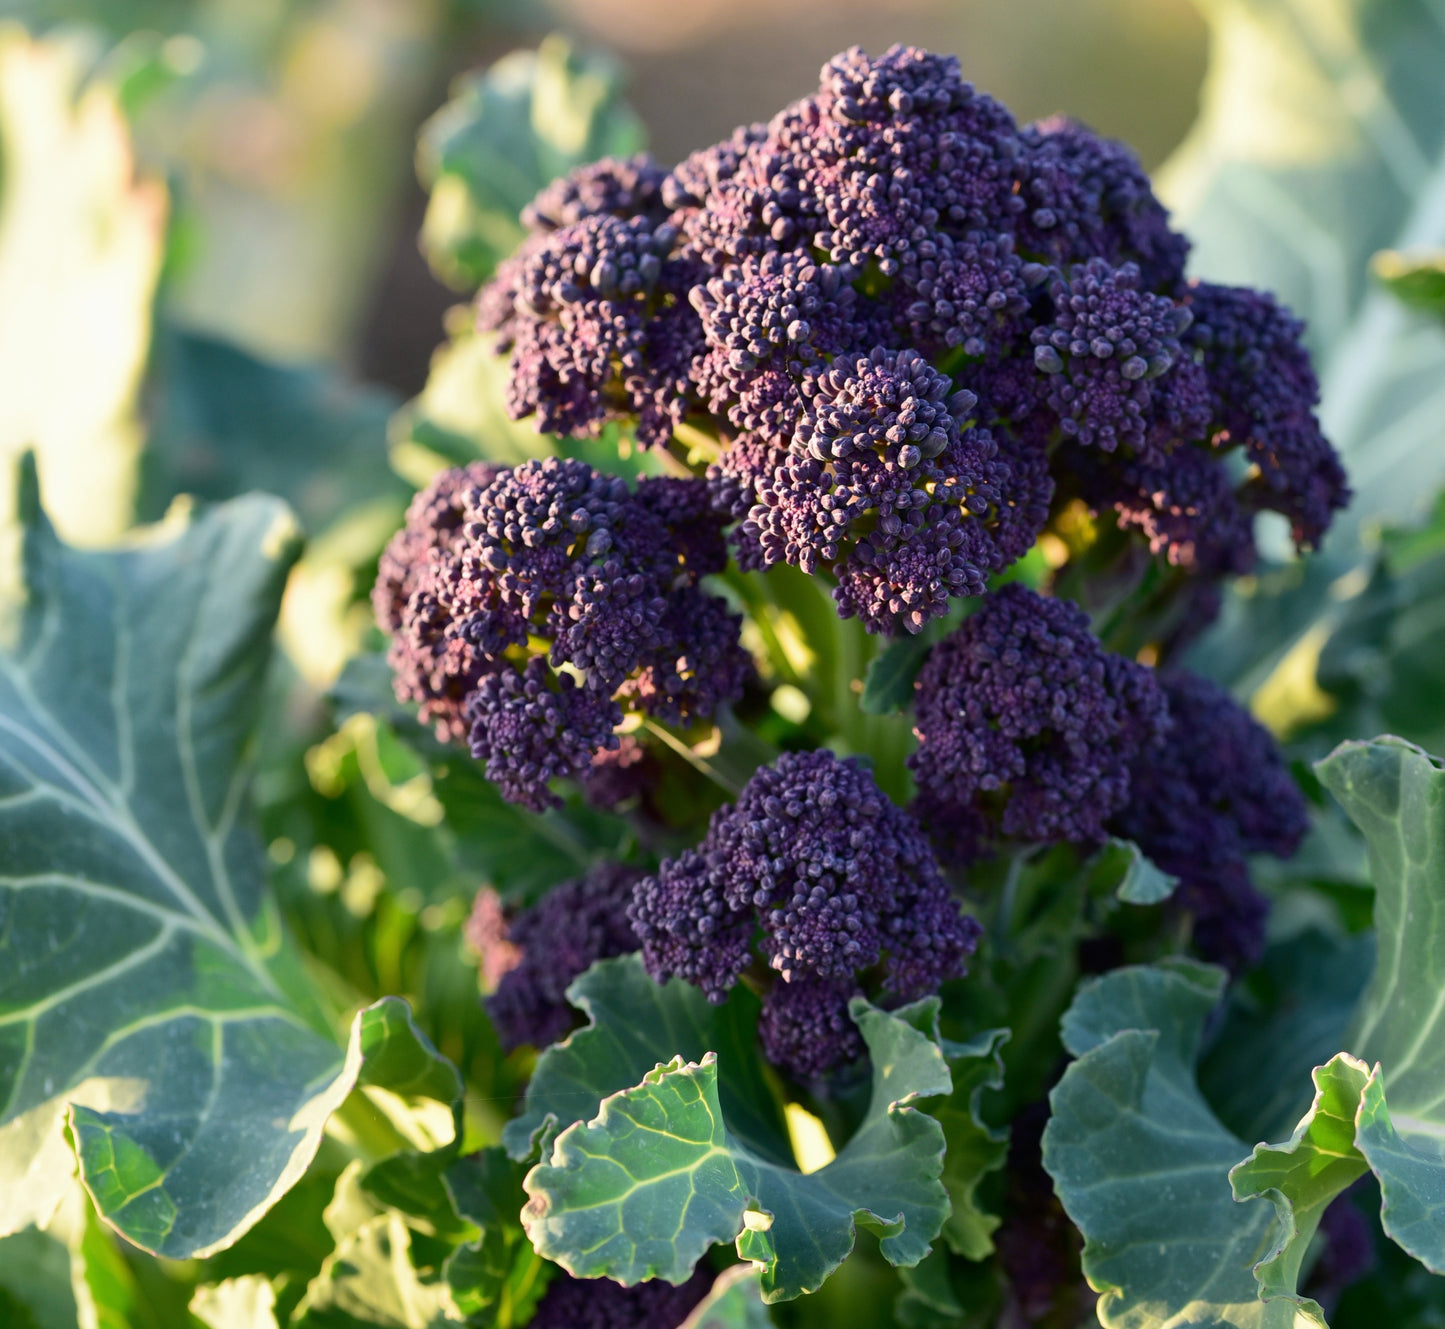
(734, 1301)
(507, 132)
(81, 239)
(1321, 140)
(1141, 1162)
(1417, 280)
(657, 1177)
(634, 1025)
(154, 1005)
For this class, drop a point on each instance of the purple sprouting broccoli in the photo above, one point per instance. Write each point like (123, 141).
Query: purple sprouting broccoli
(1104, 346)
(1028, 727)
(835, 878)
(897, 208)
(1201, 803)
(544, 947)
(432, 665)
(806, 1028)
(1088, 197)
(592, 318)
(771, 323)
(532, 726)
(887, 487)
(1264, 393)
(599, 1303)
(621, 187)
(544, 601)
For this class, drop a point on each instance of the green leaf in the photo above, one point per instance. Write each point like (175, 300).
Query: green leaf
(461, 413)
(224, 423)
(370, 1279)
(974, 1149)
(248, 1302)
(1395, 794)
(499, 1276)
(1320, 141)
(735, 1301)
(35, 1282)
(505, 134)
(81, 241)
(151, 1000)
(1301, 1177)
(634, 1025)
(1282, 1015)
(1140, 1162)
(888, 684)
(646, 1187)
(1140, 882)
(1417, 280)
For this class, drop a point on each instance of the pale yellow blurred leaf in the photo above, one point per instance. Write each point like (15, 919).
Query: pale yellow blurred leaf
(81, 239)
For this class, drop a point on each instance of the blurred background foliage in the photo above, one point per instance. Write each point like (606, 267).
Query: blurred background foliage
(236, 238)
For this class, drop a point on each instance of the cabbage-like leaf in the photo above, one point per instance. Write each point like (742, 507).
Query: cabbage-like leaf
(149, 998)
(505, 133)
(248, 1302)
(633, 1026)
(498, 1276)
(657, 1177)
(1385, 1108)
(224, 423)
(734, 1301)
(1141, 1162)
(1136, 1034)
(370, 1280)
(974, 1149)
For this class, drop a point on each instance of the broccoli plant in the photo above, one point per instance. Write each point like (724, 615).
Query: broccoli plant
(809, 718)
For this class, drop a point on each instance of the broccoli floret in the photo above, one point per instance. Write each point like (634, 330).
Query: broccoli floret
(1028, 727)
(887, 490)
(546, 598)
(432, 665)
(805, 1027)
(1107, 351)
(1264, 393)
(546, 946)
(897, 208)
(599, 1303)
(622, 187)
(1214, 793)
(838, 878)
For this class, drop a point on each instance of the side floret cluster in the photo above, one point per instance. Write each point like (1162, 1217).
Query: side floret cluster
(1028, 727)
(834, 885)
(533, 956)
(530, 606)
(1214, 794)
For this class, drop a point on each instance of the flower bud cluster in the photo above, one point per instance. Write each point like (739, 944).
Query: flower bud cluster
(898, 208)
(837, 883)
(550, 598)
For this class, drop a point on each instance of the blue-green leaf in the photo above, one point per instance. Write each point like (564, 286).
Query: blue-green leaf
(657, 1177)
(498, 1275)
(150, 998)
(1141, 1163)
